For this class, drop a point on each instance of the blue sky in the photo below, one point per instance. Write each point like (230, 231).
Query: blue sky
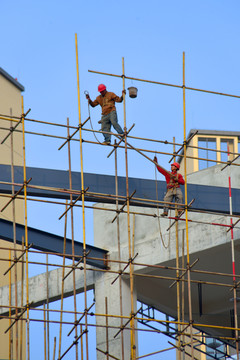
(38, 48)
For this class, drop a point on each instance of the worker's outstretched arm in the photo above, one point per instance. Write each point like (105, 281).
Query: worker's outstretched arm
(162, 170)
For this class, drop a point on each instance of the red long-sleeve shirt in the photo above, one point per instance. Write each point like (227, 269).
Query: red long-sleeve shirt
(170, 181)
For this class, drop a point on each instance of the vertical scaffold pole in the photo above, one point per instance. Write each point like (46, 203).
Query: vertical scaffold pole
(233, 257)
(186, 202)
(62, 289)
(10, 335)
(132, 325)
(83, 204)
(72, 231)
(25, 222)
(177, 271)
(119, 251)
(14, 236)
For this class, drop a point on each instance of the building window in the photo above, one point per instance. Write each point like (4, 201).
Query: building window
(225, 145)
(207, 154)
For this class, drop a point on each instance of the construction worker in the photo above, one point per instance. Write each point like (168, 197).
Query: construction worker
(174, 180)
(109, 115)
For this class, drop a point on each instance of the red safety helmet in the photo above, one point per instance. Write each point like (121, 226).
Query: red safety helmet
(176, 164)
(101, 87)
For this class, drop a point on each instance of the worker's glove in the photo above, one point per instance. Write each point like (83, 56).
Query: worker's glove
(87, 94)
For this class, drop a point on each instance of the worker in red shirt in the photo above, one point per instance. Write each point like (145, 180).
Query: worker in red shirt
(174, 180)
(107, 100)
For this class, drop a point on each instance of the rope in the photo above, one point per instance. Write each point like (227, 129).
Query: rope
(86, 93)
(158, 216)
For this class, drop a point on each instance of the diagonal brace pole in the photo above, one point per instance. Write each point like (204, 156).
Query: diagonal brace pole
(186, 142)
(71, 205)
(122, 139)
(16, 260)
(78, 321)
(74, 267)
(71, 136)
(14, 127)
(180, 277)
(15, 195)
(122, 207)
(176, 218)
(107, 353)
(27, 306)
(122, 271)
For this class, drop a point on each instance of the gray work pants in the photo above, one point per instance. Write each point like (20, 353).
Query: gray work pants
(107, 121)
(173, 194)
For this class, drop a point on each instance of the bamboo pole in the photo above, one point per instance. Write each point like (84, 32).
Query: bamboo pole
(72, 232)
(22, 288)
(186, 208)
(119, 251)
(14, 237)
(177, 273)
(26, 231)
(166, 84)
(45, 332)
(54, 347)
(10, 335)
(233, 259)
(107, 343)
(183, 284)
(62, 287)
(83, 197)
(47, 305)
(132, 325)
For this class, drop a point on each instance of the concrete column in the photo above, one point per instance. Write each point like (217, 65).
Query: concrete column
(104, 291)
(105, 236)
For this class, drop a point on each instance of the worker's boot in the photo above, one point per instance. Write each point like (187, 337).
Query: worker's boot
(164, 214)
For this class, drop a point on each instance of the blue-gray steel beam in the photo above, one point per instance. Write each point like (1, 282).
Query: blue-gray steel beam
(208, 198)
(45, 241)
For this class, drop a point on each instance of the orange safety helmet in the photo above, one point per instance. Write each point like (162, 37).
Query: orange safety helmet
(101, 87)
(176, 164)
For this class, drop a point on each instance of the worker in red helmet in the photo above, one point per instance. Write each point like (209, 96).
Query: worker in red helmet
(107, 100)
(174, 180)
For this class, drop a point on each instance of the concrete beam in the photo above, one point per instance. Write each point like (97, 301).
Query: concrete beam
(38, 288)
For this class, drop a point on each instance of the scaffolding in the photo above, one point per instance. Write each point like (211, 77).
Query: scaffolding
(188, 337)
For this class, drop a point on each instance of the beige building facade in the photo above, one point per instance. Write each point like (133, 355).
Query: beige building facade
(11, 154)
(206, 148)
